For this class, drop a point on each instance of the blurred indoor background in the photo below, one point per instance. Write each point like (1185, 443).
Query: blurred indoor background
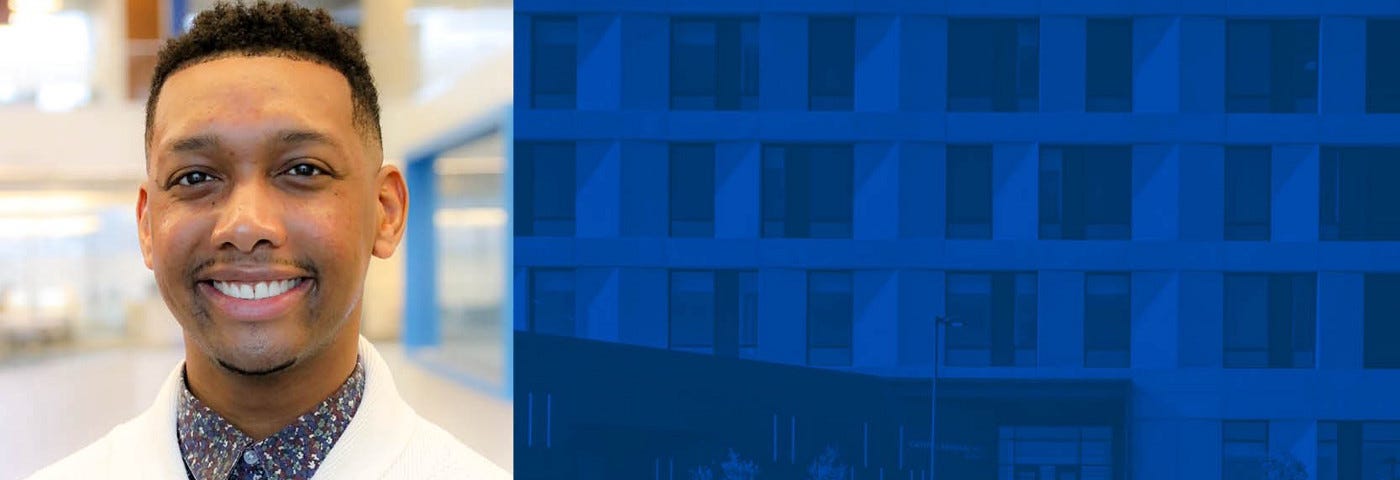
(80, 317)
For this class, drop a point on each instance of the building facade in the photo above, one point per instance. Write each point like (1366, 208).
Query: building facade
(1144, 239)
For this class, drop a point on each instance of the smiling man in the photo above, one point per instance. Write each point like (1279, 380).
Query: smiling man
(266, 195)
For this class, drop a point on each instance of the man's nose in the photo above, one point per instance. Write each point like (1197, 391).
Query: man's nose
(250, 216)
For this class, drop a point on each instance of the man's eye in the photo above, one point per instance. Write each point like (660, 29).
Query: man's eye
(305, 170)
(193, 178)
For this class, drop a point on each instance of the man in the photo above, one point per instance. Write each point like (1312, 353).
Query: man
(266, 195)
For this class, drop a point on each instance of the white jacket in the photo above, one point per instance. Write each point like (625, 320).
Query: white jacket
(386, 439)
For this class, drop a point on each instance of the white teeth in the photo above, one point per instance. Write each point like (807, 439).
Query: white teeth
(256, 291)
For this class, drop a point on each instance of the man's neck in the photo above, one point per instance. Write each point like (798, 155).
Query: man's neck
(261, 405)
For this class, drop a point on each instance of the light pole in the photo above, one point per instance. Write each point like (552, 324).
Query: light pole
(939, 324)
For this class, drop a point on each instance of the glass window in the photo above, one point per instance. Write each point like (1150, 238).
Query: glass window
(714, 64)
(1270, 320)
(829, 318)
(993, 65)
(1359, 201)
(969, 191)
(1382, 324)
(692, 190)
(714, 312)
(1108, 65)
(1271, 66)
(554, 62)
(47, 59)
(1248, 188)
(552, 301)
(1086, 193)
(1107, 320)
(1354, 449)
(1382, 71)
(1245, 449)
(1055, 452)
(544, 189)
(992, 320)
(692, 308)
(807, 191)
(470, 225)
(831, 63)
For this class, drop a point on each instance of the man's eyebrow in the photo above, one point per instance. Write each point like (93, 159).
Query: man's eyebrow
(293, 137)
(195, 143)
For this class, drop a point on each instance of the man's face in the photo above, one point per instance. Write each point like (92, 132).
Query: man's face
(261, 208)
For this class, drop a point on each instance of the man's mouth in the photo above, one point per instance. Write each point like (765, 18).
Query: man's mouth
(256, 301)
(256, 290)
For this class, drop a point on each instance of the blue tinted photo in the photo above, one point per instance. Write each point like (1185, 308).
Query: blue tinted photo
(957, 239)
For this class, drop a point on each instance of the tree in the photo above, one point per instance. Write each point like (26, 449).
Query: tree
(1284, 466)
(827, 466)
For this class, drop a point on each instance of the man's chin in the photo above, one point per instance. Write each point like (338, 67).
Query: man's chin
(263, 369)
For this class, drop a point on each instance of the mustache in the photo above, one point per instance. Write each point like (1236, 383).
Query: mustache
(251, 259)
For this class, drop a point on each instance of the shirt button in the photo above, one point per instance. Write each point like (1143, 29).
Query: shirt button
(250, 457)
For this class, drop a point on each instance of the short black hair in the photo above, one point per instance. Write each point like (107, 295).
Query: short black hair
(276, 29)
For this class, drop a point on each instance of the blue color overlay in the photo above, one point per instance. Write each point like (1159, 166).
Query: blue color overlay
(957, 239)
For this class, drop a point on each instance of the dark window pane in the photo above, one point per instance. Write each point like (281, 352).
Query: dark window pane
(1246, 321)
(807, 191)
(993, 65)
(554, 62)
(1107, 320)
(692, 307)
(1270, 320)
(1086, 193)
(1271, 66)
(544, 188)
(992, 320)
(714, 64)
(1245, 448)
(1382, 312)
(552, 301)
(1247, 193)
(692, 190)
(969, 192)
(829, 318)
(1108, 65)
(1359, 201)
(831, 63)
(1382, 71)
(748, 310)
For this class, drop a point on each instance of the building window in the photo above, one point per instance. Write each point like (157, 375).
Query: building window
(714, 64)
(1054, 452)
(714, 312)
(807, 191)
(552, 301)
(1382, 324)
(993, 65)
(829, 322)
(1382, 71)
(1244, 450)
(554, 62)
(692, 190)
(544, 189)
(831, 63)
(1271, 66)
(992, 320)
(1359, 201)
(1270, 320)
(1086, 193)
(969, 190)
(1108, 65)
(1108, 320)
(1352, 449)
(1248, 195)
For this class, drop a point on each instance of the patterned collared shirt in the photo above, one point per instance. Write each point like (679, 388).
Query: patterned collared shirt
(214, 449)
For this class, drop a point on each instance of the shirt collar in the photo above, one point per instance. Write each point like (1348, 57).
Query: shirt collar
(213, 448)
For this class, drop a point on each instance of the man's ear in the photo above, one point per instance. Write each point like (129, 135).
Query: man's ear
(393, 211)
(143, 224)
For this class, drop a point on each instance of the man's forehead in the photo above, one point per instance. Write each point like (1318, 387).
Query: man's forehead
(235, 94)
